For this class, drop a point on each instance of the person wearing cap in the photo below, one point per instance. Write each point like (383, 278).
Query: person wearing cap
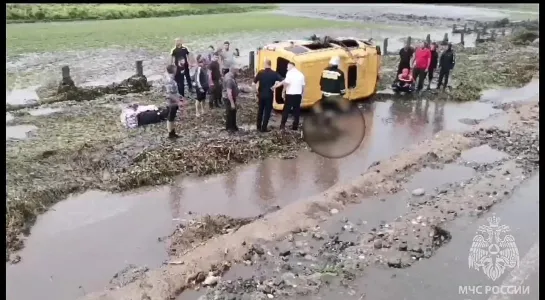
(232, 90)
(333, 87)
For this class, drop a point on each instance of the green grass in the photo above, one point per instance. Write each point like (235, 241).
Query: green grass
(29, 13)
(149, 33)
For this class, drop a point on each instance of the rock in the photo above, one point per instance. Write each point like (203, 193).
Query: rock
(536, 41)
(377, 244)
(285, 253)
(418, 192)
(334, 211)
(211, 280)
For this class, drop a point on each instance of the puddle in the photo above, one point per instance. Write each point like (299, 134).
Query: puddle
(85, 240)
(22, 96)
(9, 117)
(102, 233)
(19, 132)
(483, 155)
(44, 111)
(508, 95)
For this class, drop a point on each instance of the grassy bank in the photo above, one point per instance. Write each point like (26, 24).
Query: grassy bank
(150, 33)
(30, 13)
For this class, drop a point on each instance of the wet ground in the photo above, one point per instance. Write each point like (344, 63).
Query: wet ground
(104, 66)
(447, 273)
(93, 231)
(379, 249)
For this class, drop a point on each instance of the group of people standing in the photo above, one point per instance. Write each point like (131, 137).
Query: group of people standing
(267, 81)
(423, 62)
(215, 73)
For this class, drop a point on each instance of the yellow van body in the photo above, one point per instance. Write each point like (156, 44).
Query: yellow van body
(361, 66)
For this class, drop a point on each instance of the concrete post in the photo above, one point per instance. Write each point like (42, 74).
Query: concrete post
(251, 62)
(385, 47)
(453, 28)
(428, 39)
(139, 68)
(409, 41)
(445, 38)
(462, 38)
(478, 36)
(66, 72)
(465, 27)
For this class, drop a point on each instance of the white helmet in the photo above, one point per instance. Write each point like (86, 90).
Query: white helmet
(334, 61)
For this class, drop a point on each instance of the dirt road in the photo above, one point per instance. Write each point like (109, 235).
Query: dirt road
(342, 234)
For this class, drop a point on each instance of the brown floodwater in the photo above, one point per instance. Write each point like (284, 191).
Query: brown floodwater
(83, 241)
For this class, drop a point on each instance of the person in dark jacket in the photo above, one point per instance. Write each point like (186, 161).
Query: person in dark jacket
(215, 81)
(446, 64)
(433, 64)
(266, 80)
(333, 85)
(405, 55)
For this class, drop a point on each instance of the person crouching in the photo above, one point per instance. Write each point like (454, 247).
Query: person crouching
(173, 99)
(404, 83)
(201, 84)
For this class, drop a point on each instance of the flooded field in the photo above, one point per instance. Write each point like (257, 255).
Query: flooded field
(81, 243)
(95, 230)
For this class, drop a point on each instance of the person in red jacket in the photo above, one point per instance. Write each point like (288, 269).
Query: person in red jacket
(422, 61)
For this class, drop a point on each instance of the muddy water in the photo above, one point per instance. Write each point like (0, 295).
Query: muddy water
(22, 96)
(19, 132)
(102, 233)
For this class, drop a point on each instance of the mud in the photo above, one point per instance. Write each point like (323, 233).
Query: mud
(451, 202)
(314, 263)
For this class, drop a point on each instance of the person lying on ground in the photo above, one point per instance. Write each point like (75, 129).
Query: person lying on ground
(433, 64)
(201, 86)
(404, 83)
(173, 98)
(446, 64)
(215, 81)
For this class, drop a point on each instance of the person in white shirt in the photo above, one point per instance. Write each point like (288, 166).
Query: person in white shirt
(294, 87)
(201, 85)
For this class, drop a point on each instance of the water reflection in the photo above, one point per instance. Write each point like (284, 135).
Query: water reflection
(264, 184)
(230, 183)
(175, 194)
(326, 173)
(438, 116)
